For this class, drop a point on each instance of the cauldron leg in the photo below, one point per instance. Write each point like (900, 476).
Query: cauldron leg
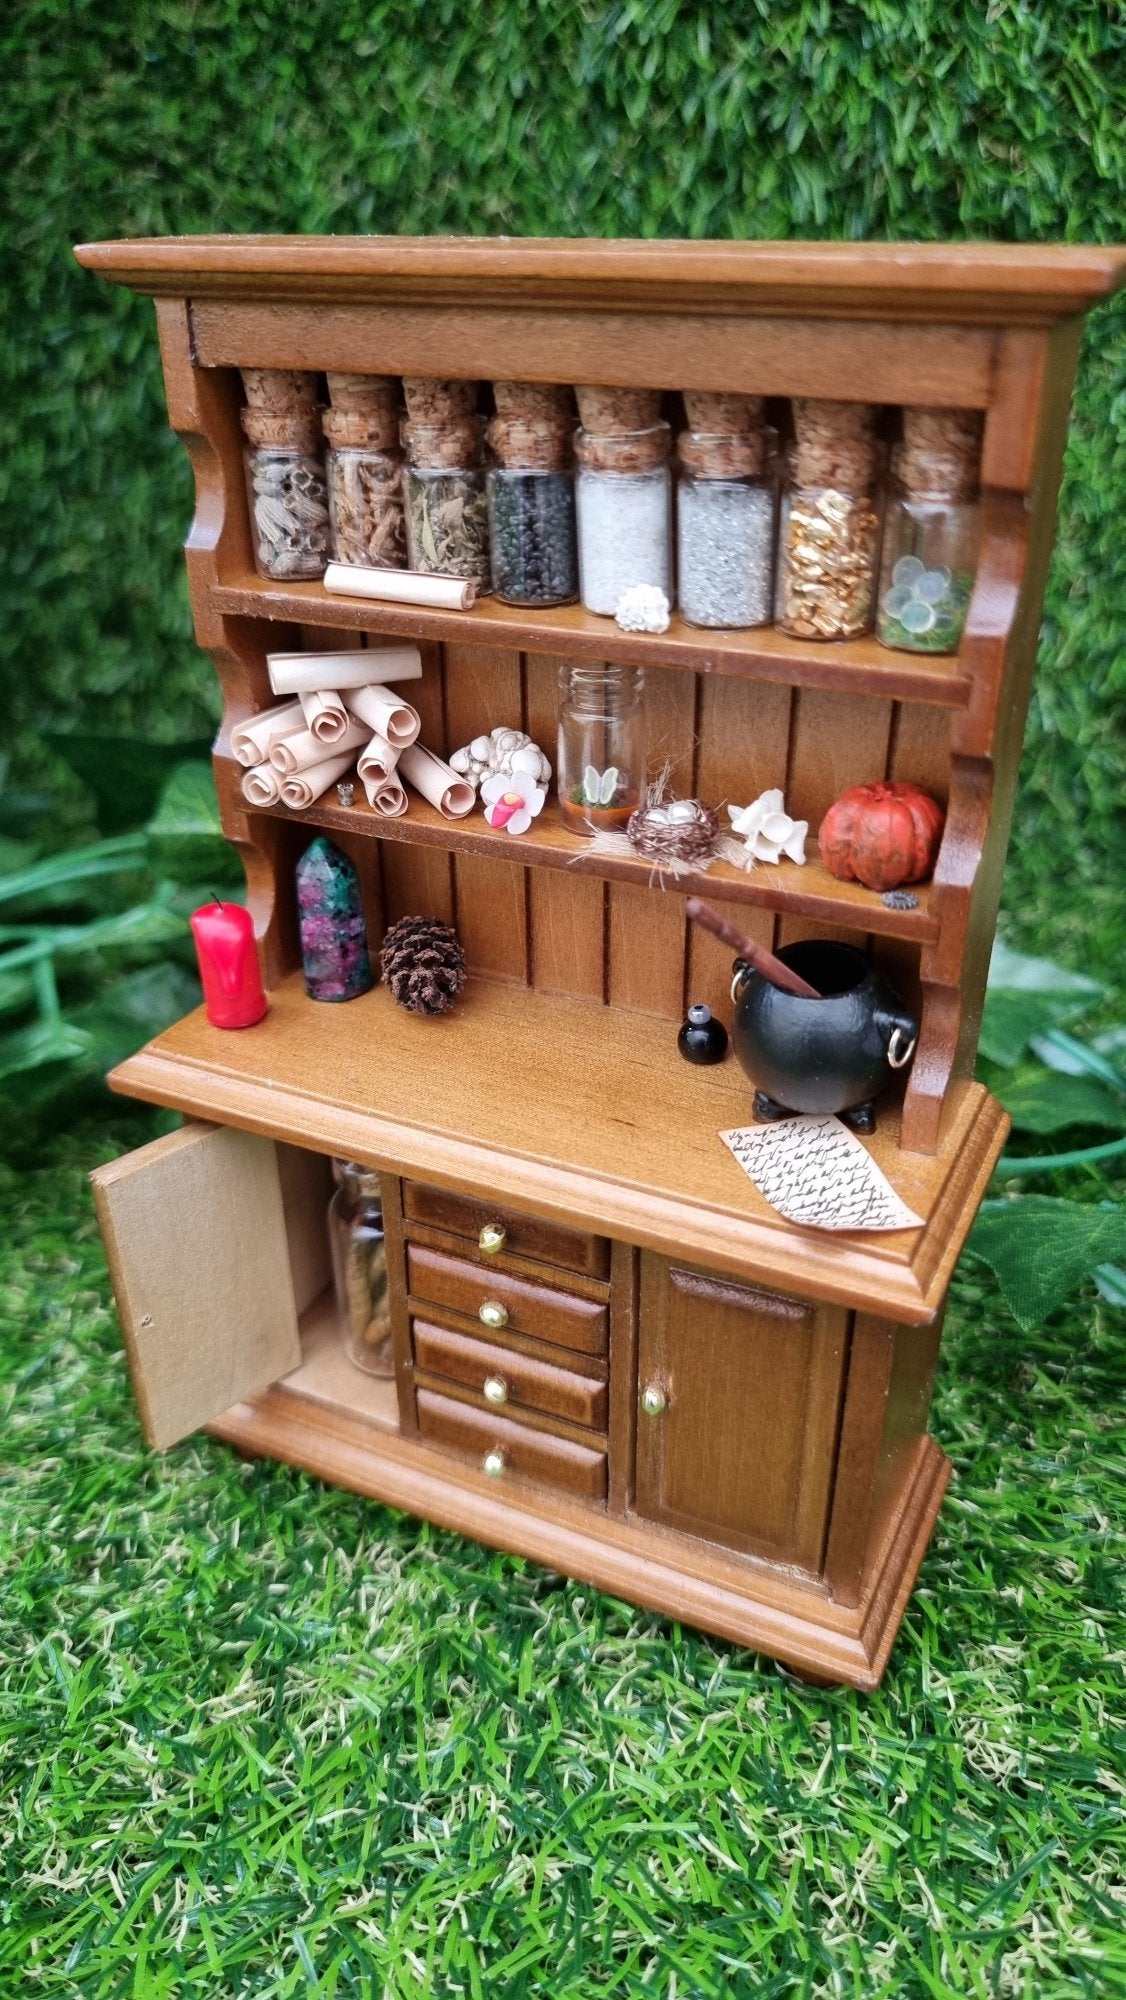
(766, 1109)
(861, 1118)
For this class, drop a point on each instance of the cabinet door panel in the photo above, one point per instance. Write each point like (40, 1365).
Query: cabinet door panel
(742, 1452)
(194, 1229)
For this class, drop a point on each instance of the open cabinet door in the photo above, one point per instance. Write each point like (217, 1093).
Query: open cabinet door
(194, 1229)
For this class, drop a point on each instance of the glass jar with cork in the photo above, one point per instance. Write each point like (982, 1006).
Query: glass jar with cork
(285, 479)
(364, 468)
(531, 491)
(829, 532)
(725, 507)
(933, 532)
(624, 496)
(359, 1267)
(444, 481)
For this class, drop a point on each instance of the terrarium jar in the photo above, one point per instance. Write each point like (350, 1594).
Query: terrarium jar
(625, 515)
(601, 764)
(829, 530)
(359, 1267)
(364, 468)
(932, 534)
(725, 512)
(287, 494)
(447, 510)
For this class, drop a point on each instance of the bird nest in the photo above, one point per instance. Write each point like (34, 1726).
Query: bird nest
(675, 837)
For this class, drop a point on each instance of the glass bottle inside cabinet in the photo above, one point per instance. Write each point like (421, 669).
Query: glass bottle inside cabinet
(829, 534)
(601, 770)
(933, 533)
(359, 1267)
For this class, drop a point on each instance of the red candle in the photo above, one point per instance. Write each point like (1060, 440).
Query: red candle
(228, 965)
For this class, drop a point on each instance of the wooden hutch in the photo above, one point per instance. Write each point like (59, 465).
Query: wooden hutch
(777, 1485)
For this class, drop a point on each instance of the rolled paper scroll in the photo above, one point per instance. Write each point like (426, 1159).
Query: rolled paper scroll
(250, 741)
(301, 752)
(384, 795)
(385, 713)
(437, 783)
(302, 673)
(303, 788)
(261, 786)
(378, 759)
(325, 714)
(401, 586)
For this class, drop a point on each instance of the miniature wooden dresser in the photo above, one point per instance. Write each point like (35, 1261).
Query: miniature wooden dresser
(611, 1354)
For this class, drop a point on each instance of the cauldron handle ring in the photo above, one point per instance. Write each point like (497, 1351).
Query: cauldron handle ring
(743, 970)
(899, 1058)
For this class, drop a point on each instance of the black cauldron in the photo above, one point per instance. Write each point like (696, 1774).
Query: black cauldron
(834, 1054)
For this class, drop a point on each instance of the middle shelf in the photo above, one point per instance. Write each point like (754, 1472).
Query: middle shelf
(808, 891)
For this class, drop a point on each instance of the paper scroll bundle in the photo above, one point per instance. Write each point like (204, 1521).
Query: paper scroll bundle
(344, 710)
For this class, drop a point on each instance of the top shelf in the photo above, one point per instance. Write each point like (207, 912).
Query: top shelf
(850, 666)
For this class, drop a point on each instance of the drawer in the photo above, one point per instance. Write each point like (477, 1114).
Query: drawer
(511, 1448)
(539, 1310)
(523, 1235)
(526, 1381)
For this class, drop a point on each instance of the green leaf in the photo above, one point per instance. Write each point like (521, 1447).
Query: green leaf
(1069, 1057)
(126, 777)
(1026, 996)
(1039, 1249)
(1110, 1283)
(185, 836)
(41, 1042)
(1037, 1101)
(74, 865)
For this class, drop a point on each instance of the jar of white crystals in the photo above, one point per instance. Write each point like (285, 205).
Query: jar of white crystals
(625, 514)
(725, 506)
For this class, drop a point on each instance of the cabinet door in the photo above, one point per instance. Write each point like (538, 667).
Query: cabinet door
(742, 1450)
(194, 1229)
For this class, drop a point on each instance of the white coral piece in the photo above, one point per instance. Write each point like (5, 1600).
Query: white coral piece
(767, 830)
(643, 608)
(499, 755)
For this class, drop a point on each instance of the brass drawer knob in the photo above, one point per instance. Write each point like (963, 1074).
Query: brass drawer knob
(493, 1463)
(492, 1313)
(492, 1239)
(495, 1389)
(653, 1399)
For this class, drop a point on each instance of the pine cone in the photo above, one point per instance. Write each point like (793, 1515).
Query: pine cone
(423, 964)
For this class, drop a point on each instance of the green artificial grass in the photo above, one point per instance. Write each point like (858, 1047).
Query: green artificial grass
(258, 1736)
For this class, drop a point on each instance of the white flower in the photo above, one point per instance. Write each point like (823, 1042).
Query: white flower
(512, 801)
(767, 829)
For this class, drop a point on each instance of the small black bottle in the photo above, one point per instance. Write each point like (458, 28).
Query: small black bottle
(702, 1039)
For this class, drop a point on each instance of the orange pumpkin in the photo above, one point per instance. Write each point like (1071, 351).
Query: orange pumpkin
(881, 835)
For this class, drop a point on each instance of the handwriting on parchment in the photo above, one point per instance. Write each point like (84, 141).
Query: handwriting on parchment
(816, 1172)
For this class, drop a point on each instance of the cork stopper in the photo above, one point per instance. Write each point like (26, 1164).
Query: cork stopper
(552, 401)
(608, 412)
(430, 401)
(292, 430)
(368, 393)
(373, 429)
(453, 445)
(536, 442)
(627, 451)
(279, 390)
(941, 452)
(718, 412)
(835, 444)
(723, 455)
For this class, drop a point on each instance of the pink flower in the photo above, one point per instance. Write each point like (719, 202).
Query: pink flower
(512, 801)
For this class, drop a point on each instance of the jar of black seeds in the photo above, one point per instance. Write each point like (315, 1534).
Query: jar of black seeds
(531, 495)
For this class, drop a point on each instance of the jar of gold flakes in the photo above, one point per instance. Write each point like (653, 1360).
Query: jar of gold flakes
(829, 542)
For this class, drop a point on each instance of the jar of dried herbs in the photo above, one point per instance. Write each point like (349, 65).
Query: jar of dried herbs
(531, 490)
(446, 505)
(286, 490)
(829, 538)
(932, 534)
(725, 507)
(359, 1267)
(364, 468)
(624, 513)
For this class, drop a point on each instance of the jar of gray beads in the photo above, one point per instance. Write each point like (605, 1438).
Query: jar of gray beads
(726, 514)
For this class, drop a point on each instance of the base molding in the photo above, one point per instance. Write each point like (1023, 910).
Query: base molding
(766, 1607)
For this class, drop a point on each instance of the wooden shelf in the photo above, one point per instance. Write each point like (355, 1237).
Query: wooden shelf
(851, 666)
(579, 1112)
(808, 891)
